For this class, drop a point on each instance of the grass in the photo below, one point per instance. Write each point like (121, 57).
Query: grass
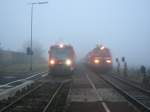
(22, 68)
(134, 75)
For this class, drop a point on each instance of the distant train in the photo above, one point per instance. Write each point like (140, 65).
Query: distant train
(99, 59)
(62, 59)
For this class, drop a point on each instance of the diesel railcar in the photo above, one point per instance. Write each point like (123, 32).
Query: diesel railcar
(61, 59)
(99, 59)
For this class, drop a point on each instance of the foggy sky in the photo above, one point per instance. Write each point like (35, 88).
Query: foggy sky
(122, 25)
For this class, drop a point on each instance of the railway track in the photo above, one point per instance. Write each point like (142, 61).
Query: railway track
(9, 89)
(19, 81)
(131, 83)
(84, 93)
(42, 98)
(134, 94)
(100, 100)
(91, 93)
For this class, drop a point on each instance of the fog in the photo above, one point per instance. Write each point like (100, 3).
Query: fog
(121, 25)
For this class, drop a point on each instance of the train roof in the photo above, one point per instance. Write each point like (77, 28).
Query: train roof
(61, 46)
(100, 50)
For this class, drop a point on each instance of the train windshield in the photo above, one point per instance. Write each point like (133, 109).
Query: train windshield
(103, 53)
(61, 53)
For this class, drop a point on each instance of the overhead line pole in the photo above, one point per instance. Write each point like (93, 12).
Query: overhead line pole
(31, 44)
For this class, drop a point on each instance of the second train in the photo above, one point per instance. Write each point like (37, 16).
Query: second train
(99, 59)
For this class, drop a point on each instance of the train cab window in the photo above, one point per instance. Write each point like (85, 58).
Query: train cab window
(60, 53)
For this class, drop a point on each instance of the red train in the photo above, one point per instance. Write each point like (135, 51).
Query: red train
(61, 59)
(99, 59)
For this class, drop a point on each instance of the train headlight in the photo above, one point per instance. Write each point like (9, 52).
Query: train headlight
(102, 48)
(61, 45)
(52, 62)
(108, 61)
(68, 62)
(96, 61)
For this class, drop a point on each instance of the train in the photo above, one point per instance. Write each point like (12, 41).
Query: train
(99, 59)
(62, 58)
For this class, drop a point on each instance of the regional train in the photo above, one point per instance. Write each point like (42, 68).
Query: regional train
(62, 59)
(99, 59)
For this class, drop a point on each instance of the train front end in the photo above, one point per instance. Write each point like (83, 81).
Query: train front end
(100, 59)
(61, 59)
(102, 64)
